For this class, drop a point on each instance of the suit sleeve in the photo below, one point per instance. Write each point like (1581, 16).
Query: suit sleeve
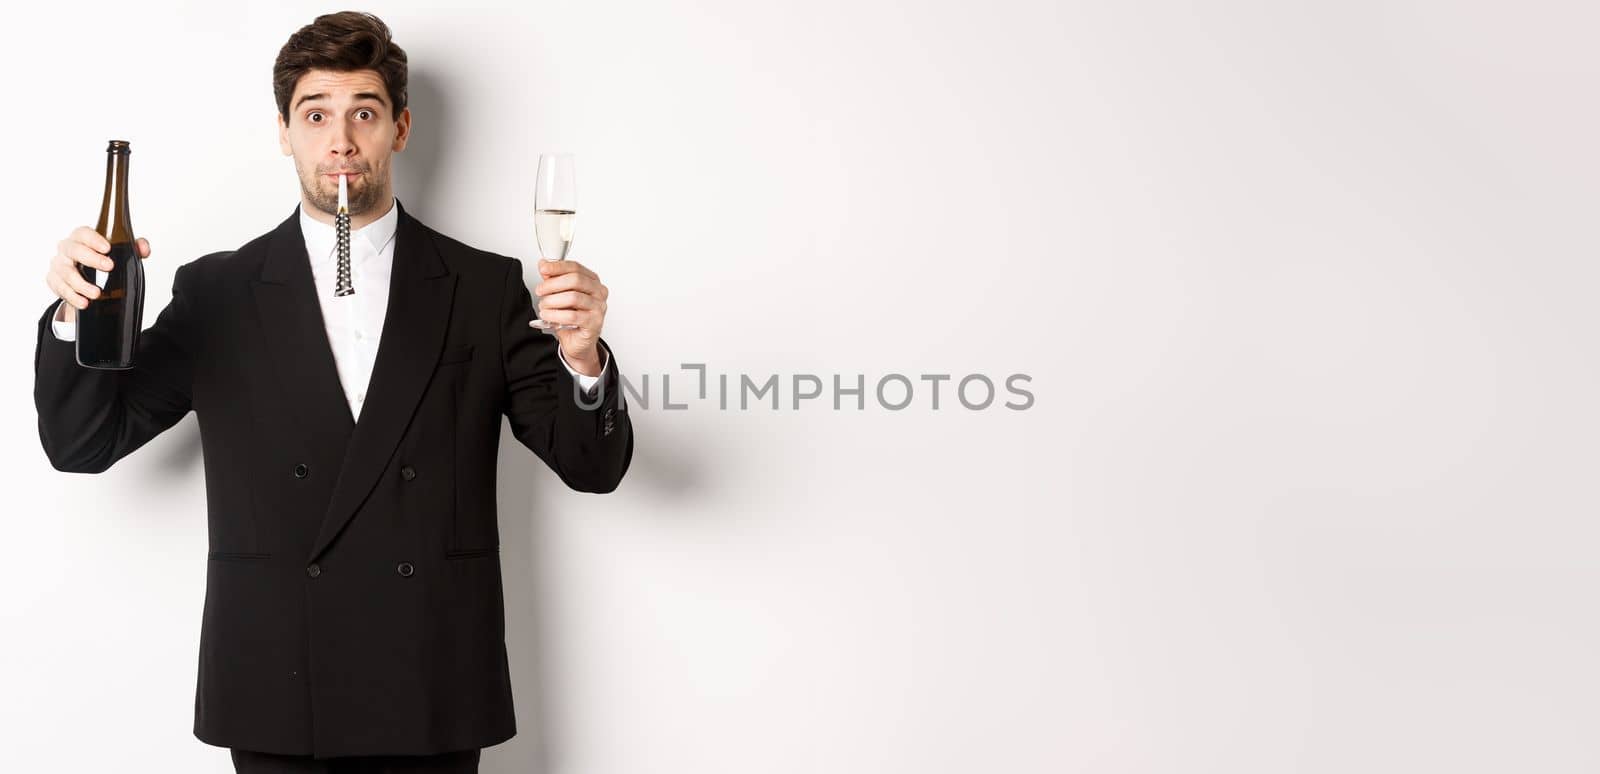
(89, 418)
(586, 439)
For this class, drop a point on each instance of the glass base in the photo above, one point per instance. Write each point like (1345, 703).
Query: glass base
(548, 327)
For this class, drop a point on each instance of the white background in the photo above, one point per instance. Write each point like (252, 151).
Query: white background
(1304, 290)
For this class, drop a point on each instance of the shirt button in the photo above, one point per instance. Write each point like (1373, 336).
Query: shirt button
(360, 396)
(360, 336)
(301, 471)
(405, 569)
(408, 473)
(314, 570)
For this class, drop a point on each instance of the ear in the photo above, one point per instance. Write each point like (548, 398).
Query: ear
(402, 130)
(283, 136)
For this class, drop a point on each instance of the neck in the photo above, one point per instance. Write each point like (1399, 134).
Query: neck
(357, 222)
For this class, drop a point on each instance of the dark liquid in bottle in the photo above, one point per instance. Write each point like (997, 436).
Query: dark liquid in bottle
(108, 328)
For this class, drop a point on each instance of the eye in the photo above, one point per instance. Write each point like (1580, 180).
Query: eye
(312, 116)
(366, 111)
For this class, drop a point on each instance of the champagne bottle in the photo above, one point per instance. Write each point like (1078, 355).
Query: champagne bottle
(108, 328)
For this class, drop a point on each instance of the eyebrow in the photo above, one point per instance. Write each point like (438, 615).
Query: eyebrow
(360, 95)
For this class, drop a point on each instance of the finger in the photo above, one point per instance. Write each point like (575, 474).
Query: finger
(90, 237)
(63, 266)
(563, 316)
(584, 270)
(78, 284)
(586, 314)
(558, 268)
(570, 299)
(553, 268)
(59, 289)
(144, 247)
(572, 281)
(86, 255)
(65, 294)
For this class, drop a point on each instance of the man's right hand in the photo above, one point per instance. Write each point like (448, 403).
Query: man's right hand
(85, 247)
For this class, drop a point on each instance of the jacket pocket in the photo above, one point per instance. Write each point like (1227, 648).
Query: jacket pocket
(237, 556)
(471, 553)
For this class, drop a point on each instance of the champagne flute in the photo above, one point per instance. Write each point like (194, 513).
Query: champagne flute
(555, 215)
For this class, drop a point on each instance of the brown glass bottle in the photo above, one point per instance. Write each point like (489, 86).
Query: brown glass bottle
(108, 328)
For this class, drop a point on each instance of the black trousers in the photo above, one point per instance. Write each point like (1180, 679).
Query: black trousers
(459, 762)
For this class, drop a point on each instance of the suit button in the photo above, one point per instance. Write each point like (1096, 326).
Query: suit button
(405, 569)
(313, 570)
(408, 473)
(301, 471)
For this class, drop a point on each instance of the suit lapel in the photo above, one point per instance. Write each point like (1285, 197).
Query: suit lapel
(421, 289)
(300, 359)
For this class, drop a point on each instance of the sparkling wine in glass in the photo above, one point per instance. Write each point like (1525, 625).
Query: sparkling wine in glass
(555, 215)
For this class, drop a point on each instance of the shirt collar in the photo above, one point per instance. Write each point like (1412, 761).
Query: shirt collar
(320, 237)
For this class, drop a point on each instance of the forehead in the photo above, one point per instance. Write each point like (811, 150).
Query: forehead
(339, 85)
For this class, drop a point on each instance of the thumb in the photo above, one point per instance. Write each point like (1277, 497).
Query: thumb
(144, 247)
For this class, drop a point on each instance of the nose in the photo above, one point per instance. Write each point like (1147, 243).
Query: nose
(343, 141)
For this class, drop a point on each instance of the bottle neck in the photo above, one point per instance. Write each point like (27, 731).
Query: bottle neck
(114, 223)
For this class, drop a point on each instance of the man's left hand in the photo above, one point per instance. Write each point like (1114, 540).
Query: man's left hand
(569, 293)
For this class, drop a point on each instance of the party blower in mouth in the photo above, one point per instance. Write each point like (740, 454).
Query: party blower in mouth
(341, 227)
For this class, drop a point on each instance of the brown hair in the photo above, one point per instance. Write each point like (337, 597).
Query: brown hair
(344, 41)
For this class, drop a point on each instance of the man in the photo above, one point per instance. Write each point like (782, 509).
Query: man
(349, 394)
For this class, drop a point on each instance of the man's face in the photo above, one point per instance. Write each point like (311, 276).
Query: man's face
(343, 121)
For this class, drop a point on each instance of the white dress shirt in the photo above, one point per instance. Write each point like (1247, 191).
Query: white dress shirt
(354, 322)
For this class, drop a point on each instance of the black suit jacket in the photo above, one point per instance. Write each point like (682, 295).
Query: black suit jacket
(353, 598)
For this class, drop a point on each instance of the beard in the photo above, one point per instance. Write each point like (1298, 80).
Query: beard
(364, 196)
